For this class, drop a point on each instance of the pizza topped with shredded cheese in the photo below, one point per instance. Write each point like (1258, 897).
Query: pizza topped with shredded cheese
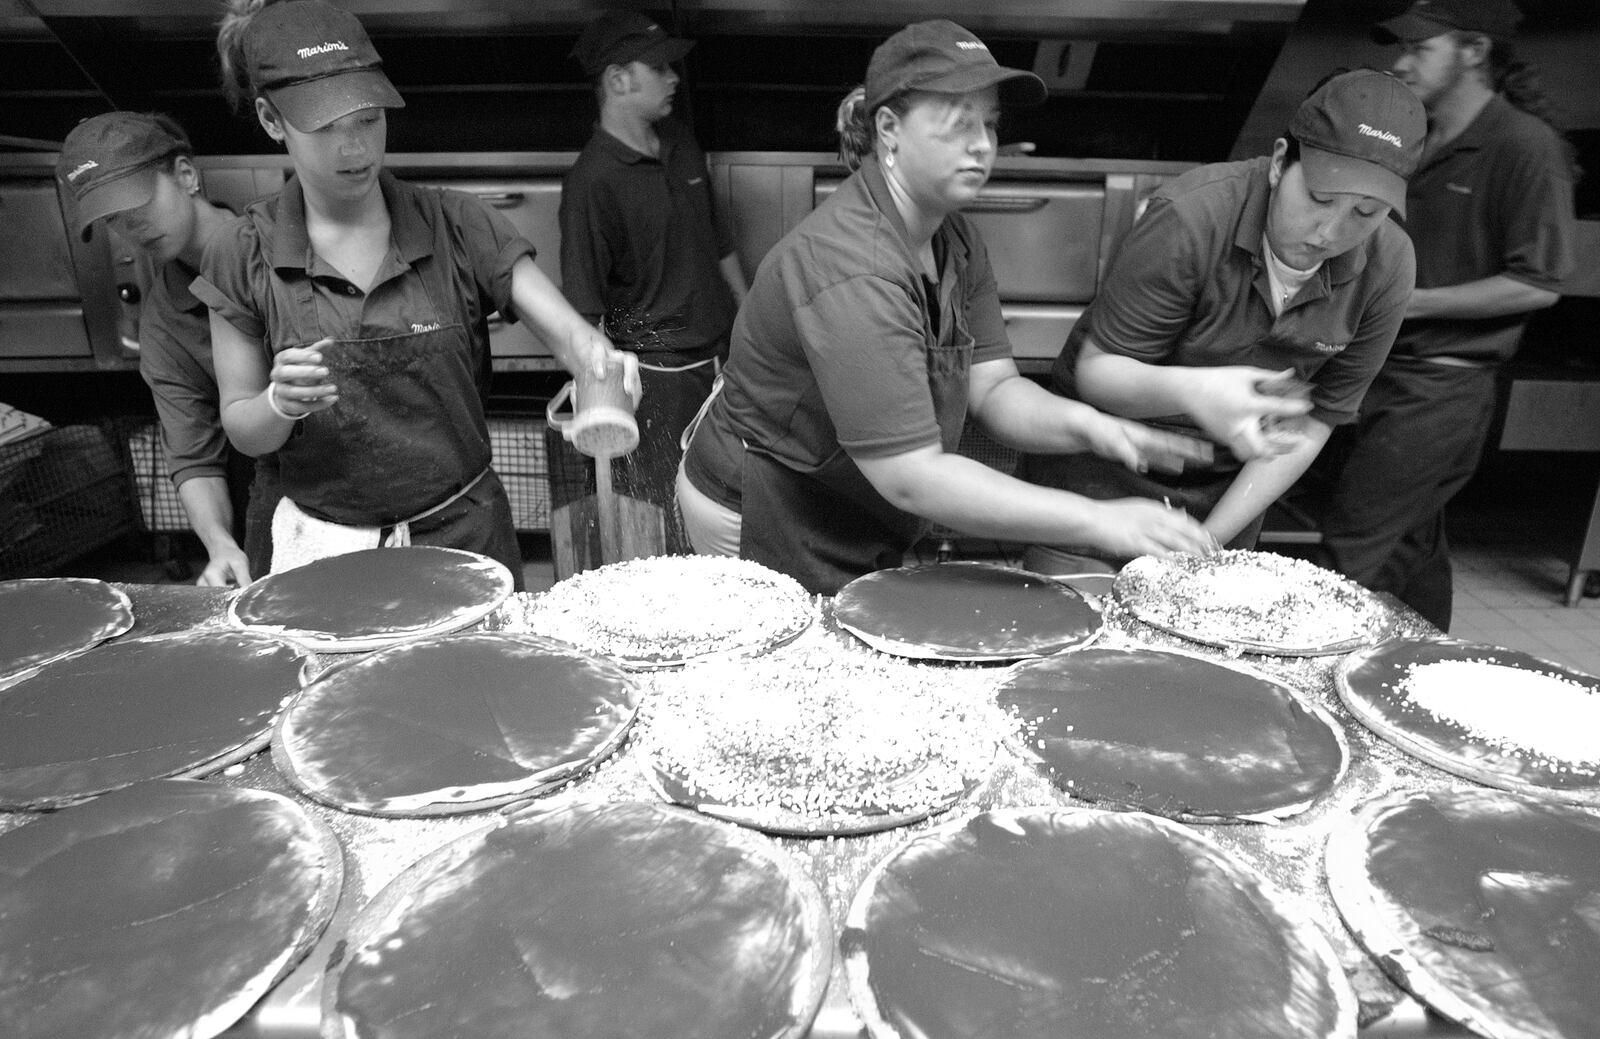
(810, 740)
(1494, 715)
(1255, 601)
(665, 610)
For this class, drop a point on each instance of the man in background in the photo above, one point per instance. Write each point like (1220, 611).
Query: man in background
(641, 250)
(1490, 212)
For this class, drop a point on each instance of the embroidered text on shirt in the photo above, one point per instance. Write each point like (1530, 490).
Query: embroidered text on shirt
(1460, 189)
(434, 327)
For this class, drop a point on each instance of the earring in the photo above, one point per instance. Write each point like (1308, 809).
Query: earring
(888, 160)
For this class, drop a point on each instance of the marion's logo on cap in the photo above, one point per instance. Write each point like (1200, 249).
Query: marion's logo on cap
(1382, 135)
(322, 48)
(81, 170)
(971, 45)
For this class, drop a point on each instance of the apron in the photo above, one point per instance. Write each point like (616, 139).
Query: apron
(407, 435)
(829, 526)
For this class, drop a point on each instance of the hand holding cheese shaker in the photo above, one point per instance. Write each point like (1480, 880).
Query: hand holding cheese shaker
(601, 424)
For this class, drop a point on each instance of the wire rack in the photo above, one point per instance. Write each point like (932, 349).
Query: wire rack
(517, 443)
(63, 493)
(159, 505)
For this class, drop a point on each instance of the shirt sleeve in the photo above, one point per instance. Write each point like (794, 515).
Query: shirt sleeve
(1340, 384)
(1540, 222)
(863, 338)
(186, 403)
(489, 246)
(234, 277)
(585, 253)
(1149, 295)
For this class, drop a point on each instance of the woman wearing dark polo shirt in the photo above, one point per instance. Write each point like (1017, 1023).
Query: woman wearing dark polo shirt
(135, 172)
(872, 330)
(349, 311)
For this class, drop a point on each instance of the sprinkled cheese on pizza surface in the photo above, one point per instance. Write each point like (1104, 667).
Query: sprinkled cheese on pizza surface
(1510, 707)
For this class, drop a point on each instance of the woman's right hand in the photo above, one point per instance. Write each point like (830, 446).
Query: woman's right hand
(299, 382)
(1129, 527)
(1249, 408)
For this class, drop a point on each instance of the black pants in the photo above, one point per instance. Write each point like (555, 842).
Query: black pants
(1417, 442)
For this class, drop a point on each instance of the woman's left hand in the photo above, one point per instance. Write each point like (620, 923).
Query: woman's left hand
(1142, 448)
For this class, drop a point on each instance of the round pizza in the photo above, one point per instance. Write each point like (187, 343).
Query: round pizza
(809, 740)
(965, 611)
(373, 598)
(1489, 714)
(165, 909)
(184, 704)
(1254, 602)
(1037, 923)
(589, 921)
(1484, 904)
(1173, 734)
(664, 610)
(455, 723)
(47, 618)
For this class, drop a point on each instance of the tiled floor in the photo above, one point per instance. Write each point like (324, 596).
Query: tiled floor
(1512, 537)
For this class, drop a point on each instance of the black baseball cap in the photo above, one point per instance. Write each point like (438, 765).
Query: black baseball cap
(942, 56)
(1426, 19)
(315, 63)
(1361, 133)
(110, 162)
(618, 37)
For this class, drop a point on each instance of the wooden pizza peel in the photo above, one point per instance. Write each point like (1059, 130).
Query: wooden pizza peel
(604, 527)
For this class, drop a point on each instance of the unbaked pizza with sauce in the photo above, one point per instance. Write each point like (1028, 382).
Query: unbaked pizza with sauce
(1173, 734)
(452, 724)
(1253, 602)
(377, 597)
(1493, 715)
(813, 739)
(47, 618)
(589, 921)
(165, 909)
(1039, 923)
(1484, 904)
(664, 610)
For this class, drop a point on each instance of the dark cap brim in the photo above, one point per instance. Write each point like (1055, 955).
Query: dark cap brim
(1408, 28)
(315, 103)
(118, 195)
(1340, 174)
(663, 53)
(1016, 86)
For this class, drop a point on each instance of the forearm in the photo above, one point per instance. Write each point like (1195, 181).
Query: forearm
(733, 274)
(1021, 414)
(966, 495)
(1263, 481)
(573, 340)
(1130, 388)
(210, 511)
(1495, 296)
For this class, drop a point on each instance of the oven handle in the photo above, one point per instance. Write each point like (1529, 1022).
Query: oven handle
(499, 199)
(1007, 204)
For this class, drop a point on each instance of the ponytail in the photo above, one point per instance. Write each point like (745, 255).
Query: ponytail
(855, 132)
(857, 127)
(236, 86)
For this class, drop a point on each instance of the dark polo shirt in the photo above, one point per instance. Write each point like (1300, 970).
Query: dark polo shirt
(834, 345)
(1496, 200)
(270, 241)
(640, 245)
(1189, 287)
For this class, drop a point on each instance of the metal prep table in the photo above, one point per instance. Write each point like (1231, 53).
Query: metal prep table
(1287, 856)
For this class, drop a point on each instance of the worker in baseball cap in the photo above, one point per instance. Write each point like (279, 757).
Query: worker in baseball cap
(349, 311)
(1251, 305)
(134, 173)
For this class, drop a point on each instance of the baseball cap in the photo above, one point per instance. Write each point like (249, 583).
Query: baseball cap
(1361, 132)
(940, 55)
(110, 162)
(315, 63)
(1426, 19)
(618, 37)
